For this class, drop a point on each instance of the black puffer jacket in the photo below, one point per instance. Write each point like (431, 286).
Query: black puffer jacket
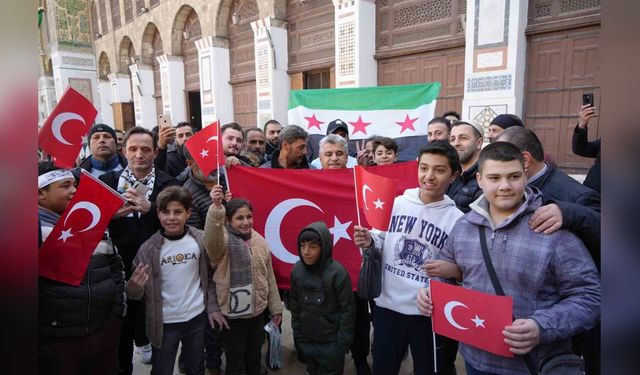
(580, 207)
(465, 190)
(322, 303)
(67, 311)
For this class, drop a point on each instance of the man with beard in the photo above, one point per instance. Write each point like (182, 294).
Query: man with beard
(233, 143)
(255, 146)
(272, 130)
(467, 140)
(292, 151)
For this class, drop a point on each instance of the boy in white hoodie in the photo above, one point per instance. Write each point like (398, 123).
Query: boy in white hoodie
(420, 223)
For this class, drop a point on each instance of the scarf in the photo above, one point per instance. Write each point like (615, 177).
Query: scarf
(109, 165)
(127, 179)
(240, 274)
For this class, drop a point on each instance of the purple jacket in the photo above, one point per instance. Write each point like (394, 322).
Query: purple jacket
(551, 278)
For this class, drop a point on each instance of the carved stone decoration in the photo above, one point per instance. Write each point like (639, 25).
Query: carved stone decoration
(489, 83)
(83, 86)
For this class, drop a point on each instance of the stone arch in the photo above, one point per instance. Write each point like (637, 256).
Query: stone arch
(126, 55)
(151, 48)
(186, 20)
(151, 39)
(104, 67)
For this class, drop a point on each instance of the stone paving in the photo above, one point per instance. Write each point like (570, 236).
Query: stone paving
(291, 364)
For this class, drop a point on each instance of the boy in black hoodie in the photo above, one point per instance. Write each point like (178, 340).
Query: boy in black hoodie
(321, 302)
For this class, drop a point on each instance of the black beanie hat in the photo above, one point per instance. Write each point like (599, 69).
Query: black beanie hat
(102, 128)
(507, 120)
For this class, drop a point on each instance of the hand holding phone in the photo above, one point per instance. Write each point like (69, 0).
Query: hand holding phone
(587, 99)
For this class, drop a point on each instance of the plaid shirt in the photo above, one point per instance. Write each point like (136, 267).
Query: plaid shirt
(551, 278)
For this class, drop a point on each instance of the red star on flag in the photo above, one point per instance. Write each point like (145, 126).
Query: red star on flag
(407, 123)
(313, 122)
(359, 126)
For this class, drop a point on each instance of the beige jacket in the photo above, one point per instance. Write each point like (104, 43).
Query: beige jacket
(149, 253)
(216, 242)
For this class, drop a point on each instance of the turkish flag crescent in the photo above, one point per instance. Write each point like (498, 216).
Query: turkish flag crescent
(206, 148)
(471, 317)
(66, 252)
(62, 132)
(289, 200)
(375, 197)
(405, 174)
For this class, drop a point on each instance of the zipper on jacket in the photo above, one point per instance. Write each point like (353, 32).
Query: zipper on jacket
(89, 293)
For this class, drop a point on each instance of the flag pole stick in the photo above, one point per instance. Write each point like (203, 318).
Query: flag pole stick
(433, 333)
(355, 188)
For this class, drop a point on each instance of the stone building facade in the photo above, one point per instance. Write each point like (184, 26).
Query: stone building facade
(237, 60)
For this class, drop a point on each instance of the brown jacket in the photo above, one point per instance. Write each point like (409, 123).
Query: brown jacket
(216, 242)
(149, 254)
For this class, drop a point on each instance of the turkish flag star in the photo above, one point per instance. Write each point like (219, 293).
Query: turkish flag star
(204, 153)
(339, 230)
(407, 123)
(379, 204)
(313, 122)
(359, 126)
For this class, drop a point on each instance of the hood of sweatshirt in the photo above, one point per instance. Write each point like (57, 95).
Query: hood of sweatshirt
(413, 196)
(326, 245)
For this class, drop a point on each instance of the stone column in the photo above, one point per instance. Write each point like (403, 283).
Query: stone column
(46, 97)
(143, 101)
(216, 97)
(495, 56)
(105, 113)
(355, 43)
(120, 87)
(272, 61)
(75, 69)
(172, 80)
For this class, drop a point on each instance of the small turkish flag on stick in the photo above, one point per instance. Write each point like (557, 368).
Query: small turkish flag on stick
(374, 196)
(62, 132)
(206, 148)
(472, 317)
(66, 252)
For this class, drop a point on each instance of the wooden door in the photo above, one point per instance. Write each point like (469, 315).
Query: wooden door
(244, 104)
(561, 66)
(242, 56)
(446, 67)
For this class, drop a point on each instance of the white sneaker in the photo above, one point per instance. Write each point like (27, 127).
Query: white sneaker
(145, 353)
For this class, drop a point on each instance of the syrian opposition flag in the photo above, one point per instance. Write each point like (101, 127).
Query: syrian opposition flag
(375, 195)
(471, 317)
(62, 133)
(290, 199)
(206, 148)
(66, 252)
(399, 112)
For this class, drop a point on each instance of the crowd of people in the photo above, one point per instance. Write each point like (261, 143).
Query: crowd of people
(181, 263)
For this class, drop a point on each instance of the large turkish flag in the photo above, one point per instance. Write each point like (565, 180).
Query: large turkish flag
(61, 134)
(206, 148)
(472, 317)
(285, 201)
(66, 252)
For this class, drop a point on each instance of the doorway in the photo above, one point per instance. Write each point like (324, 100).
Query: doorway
(195, 111)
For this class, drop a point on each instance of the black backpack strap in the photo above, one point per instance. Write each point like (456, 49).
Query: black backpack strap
(498, 287)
